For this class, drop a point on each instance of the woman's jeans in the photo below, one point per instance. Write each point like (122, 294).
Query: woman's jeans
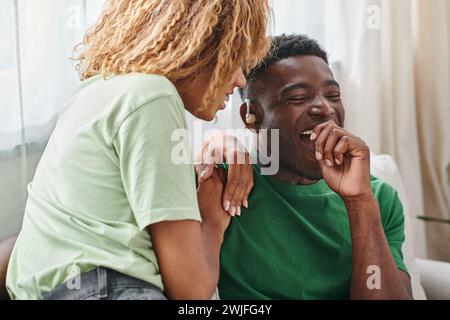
(106, 284)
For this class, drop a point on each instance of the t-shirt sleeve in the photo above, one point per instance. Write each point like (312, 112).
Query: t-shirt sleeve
(393, 224)
(155, 162)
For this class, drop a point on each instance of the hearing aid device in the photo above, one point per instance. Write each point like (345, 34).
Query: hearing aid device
(250, 118)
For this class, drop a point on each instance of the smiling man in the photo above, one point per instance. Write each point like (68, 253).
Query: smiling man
(322, 227)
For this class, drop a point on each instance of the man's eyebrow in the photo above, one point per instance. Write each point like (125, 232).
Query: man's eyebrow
(302, 85)
(332, 83)
(298, 85)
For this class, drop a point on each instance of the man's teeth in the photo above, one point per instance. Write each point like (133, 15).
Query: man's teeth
(307, 133)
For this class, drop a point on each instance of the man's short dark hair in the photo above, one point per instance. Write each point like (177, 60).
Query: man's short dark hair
(283, 47)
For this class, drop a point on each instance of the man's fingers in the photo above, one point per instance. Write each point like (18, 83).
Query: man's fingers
(320, 127)
(333, 143)
(341, 149)
(333, 138)
(322, 137)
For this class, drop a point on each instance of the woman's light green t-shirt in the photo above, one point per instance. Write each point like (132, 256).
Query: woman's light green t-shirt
(106, 174)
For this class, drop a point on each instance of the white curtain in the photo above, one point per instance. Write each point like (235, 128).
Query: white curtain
(36, 79)
(395, 74)
(432, 92)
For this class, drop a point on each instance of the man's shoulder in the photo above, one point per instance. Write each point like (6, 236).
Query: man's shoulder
(388, 200)
(381, 189)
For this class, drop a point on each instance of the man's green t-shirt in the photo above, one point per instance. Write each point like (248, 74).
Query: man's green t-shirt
(106, 174)
(294, 242)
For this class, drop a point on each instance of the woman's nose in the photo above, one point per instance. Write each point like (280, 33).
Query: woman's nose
(239, 79)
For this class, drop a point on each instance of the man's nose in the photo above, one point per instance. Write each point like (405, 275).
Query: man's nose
(322, 108)
(239, 79)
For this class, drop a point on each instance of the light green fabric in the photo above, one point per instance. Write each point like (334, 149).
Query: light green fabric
(105, 175)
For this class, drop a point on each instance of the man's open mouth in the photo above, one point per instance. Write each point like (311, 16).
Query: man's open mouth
(307, 133)
(305, 138)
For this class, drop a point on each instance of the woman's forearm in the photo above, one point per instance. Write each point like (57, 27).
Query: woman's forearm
(188, 258)
(212, 240)
(188, 251)
(6, 247)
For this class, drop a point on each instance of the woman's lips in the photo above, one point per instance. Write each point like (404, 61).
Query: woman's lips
(225, 101)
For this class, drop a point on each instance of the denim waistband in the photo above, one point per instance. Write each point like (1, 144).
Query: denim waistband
(105, 284)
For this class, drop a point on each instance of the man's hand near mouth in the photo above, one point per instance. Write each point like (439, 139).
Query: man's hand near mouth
(345, 164)
(344, 160)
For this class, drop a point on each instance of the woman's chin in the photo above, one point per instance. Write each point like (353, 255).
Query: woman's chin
(207, 115)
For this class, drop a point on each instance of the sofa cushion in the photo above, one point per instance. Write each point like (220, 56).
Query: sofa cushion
(385, 168)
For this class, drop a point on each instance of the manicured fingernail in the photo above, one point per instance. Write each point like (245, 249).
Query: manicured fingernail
(318, 156)
(245, 203)
(238, 211)
(227, 205)
(329, 163)
(202, 174)
(233, 211)
(313, 136)
(338, 161)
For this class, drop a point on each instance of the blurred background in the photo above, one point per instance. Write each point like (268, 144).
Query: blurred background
(392, 59)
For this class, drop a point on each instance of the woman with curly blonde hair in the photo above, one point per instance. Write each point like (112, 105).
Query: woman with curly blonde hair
(110, 214)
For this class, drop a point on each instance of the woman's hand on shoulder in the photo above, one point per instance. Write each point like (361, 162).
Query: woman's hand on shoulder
(220, 148)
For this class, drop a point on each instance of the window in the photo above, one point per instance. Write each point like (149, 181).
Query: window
(36, 74)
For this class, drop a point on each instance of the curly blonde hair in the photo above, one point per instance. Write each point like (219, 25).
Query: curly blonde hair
(176, 39)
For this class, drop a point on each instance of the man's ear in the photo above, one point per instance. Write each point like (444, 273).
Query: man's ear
(254, 109)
